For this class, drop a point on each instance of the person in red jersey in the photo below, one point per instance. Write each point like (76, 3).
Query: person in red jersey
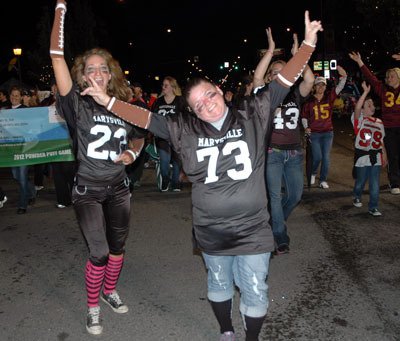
(389, 94)
(317, 120)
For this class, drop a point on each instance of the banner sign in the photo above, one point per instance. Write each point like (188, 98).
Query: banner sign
(32, 136)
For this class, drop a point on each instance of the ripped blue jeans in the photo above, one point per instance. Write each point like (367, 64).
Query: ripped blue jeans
(247, 272)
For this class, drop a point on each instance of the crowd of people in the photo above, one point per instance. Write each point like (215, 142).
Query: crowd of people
(226, 145)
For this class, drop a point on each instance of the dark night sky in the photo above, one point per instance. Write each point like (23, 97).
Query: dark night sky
(213, 30)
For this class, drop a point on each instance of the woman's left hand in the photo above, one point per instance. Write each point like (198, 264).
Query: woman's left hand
(125, 158)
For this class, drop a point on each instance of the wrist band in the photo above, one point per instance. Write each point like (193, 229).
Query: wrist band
(134, 154)
(306, 43)
(110, 103)
(61, 5)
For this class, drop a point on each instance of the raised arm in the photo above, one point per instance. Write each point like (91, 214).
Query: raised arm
(298, 62)
(361, 100)
(142, 117)
(356, 57)
(342, 80)
(376, 84)
(307, 83)
(262, 66)
(60, 67)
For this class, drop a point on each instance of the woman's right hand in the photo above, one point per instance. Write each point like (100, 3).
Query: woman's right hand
(98, 94)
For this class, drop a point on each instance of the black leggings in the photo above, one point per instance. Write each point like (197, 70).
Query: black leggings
(103, 215)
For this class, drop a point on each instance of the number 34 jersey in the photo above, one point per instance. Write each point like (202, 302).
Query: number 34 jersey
(98, 138)
(226, 168)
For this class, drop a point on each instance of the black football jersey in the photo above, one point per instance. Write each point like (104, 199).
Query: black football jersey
(286, 122)
(226, 169)
(161, 107)
(98, 138)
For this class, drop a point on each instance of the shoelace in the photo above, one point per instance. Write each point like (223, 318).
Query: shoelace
(95, 315)
(115, 297)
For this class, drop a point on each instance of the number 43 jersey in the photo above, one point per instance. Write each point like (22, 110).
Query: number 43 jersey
(226, 168)
(98, 138)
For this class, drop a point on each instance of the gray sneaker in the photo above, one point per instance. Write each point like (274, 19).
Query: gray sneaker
(115, 302)
(227, 336)
(375, 212)
(2, 202)
(357, 202)
(93, 325)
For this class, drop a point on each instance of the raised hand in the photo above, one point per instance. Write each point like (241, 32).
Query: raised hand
(311, 29)
(57, 32)
(98, 94)
(396, 56)
(271, 42)
(366, 87)
(356, 57)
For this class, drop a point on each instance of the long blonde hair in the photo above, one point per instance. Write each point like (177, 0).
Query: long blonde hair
(117, 85)
(175, 86)
(268, 74)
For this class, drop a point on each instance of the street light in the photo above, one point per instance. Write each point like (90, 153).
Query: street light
(17, 53)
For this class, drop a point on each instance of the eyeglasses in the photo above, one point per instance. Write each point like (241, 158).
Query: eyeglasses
(101, 69)
(199, 105)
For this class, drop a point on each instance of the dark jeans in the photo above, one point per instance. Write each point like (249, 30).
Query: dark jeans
(370, 174)
(167, 158)
(2, 195)
(321, 145)
(284, 169)
(26, 188)
(63, 176)
(392, 144)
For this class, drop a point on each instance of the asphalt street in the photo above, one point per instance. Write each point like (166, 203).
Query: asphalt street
(340, 281)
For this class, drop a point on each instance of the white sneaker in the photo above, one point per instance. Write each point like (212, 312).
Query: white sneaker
(395, 190)
(312, 182)
(227, 336)
(115, 302)
(2, 202)
(93, 322)
(39, 188)
(324, 185)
